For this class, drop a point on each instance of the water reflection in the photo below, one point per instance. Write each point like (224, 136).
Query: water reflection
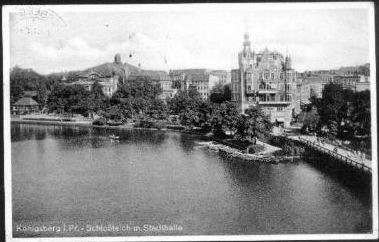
(80, 175)
(23, 132)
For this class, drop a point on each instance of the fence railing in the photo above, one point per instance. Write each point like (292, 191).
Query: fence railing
(341, 157)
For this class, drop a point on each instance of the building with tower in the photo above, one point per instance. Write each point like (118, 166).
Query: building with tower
(265, 79)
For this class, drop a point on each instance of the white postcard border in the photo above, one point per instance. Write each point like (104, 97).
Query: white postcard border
(190, 7)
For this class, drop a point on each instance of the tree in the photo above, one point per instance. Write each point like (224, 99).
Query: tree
(343, 113)
(310, 121)
(204, 116)
(157, 110)
(27, 80)
(331, 107)
(16, 92)
(189, 117)
(71, 99)
(96, 100)
(253, 124)
(141, 95)
(220, 93)
(224, 118)
(182, 100)
(41, 94)
(140, 87)
(361, 113)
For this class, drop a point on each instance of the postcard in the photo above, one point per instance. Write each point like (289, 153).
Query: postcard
(190, 122)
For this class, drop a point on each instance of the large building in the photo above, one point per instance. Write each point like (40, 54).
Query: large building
(159, 77)
(203, 80)
(353, 82)
(308, 86)
(223, 76)
(265, 79)
(109, 85)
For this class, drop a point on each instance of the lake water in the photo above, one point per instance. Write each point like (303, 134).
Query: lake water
(78, 181)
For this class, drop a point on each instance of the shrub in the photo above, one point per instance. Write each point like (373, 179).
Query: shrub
(253, 149)
(100, 121)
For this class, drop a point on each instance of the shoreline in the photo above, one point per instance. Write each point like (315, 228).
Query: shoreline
(90, 125)
(213, 144)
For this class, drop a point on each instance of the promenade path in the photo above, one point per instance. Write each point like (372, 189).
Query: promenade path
(340, 151)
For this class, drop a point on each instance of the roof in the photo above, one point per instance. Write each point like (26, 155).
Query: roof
(312, 80)
(82, 82)
(190, 71)
(199, 77)
(26, 101)
(157, 75)
(219, 72)
(109, 70)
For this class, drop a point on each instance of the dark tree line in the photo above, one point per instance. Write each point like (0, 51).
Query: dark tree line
(76, 99)
(343, 113)
(138, 99)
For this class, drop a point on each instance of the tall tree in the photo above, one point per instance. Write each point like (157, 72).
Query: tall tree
(224, 118)
(253, 124)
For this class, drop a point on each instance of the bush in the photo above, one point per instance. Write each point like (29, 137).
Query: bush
(253, 149)
(100, 121)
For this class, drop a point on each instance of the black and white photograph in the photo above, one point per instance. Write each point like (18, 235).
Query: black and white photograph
(190, 122)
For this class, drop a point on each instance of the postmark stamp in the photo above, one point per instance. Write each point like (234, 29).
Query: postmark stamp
(37, 21)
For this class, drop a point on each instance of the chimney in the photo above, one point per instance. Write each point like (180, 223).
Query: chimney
(139, 67)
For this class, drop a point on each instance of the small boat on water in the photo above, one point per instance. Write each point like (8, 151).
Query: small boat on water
(114, 137)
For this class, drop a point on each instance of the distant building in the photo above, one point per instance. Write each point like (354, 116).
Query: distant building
(25, 105)
(353, 82)
(159, 77)
(265, 79)
(109, 84)
(362, 86)
(202, 80)
(108, 75)
(223, 76)
(308, 86)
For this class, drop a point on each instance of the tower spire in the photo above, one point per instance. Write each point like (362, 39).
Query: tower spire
(246, 43)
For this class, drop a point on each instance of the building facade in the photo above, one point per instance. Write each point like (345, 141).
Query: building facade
(308, 86)
(109, 85)
(353, 82)
(223, 76)
(161, 78)
(25, 105)
(265, 79)
(200, 79)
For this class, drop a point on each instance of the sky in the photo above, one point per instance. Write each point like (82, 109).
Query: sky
(49, 39)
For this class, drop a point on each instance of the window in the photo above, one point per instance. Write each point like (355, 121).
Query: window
(267, 75)
(280, 108)
(249, 88)
(287, 86)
